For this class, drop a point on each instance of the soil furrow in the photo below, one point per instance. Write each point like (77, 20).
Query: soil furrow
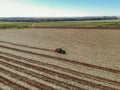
(25, 79)
(27, 46)
(66, 60)
(12, 84)
(65, 69)
(5, 87)
(81, 81)
(39, 76)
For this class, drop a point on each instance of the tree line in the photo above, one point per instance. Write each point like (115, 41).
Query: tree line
(34, 19)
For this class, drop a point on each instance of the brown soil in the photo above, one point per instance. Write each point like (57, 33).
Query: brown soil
(79, 27)
(92, 60)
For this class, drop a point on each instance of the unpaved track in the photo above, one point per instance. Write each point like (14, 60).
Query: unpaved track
(79, 27)
(20, 62)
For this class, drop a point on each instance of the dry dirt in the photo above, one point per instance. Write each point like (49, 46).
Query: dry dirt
(28, 60)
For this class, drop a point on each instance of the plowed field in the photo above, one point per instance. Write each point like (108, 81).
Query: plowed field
(28, 60)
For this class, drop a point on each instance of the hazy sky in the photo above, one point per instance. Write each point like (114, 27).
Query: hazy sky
(54, 8)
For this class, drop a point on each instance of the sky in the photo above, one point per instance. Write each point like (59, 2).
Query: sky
(59, 8)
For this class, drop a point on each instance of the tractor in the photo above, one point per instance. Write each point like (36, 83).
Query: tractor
(60, 50)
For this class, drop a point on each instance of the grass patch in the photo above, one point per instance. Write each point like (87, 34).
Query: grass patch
(92, 23)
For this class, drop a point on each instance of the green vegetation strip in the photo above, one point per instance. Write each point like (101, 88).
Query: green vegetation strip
(92, 23)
